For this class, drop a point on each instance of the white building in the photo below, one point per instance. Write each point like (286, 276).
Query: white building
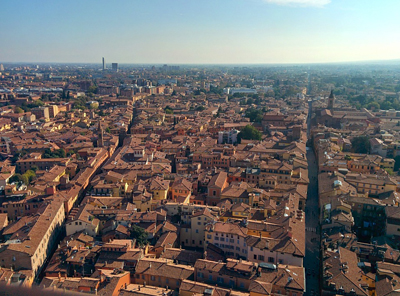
(81, 220)
(228, 137)
(243, 90)
(273, 251)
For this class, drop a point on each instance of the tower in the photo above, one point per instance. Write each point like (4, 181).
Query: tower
(115, 67)
(331, 100)
(104, 64)
(100, 140)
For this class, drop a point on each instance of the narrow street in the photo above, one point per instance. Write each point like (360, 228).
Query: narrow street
(312, 259)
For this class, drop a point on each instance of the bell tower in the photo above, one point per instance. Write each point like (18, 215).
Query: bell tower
(100, 140)
(331, 100)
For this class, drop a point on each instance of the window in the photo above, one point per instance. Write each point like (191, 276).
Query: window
(210, 278)
(197, 231)
(261, 257)
(271, 259)
(220, 280)
(214, 193)
(255, 257)
(208, 236)
(153, 278)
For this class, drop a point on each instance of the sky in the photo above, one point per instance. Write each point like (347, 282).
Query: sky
(199, 31)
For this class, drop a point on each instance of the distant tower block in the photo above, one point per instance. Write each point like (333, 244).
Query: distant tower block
(104, 64)
(115, 67)
(1, 67)
(331, 100)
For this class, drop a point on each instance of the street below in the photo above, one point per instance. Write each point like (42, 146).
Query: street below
(312, 258)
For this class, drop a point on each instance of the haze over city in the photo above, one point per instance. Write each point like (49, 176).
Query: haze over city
(199, 147)
(221, 32)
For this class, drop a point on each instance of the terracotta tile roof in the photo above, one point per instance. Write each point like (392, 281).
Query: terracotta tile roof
(164, 268)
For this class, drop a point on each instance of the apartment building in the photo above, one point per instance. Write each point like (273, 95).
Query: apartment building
(162, 273)
(229, 237)
(246, 276)
(30, 249)
(192, 231)
(81, 220)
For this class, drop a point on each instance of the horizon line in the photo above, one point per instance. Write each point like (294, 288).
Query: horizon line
(218, 64)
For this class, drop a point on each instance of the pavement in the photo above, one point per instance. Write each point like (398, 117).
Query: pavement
(313, 238)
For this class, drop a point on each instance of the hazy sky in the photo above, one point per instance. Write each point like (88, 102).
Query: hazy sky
(199, 31)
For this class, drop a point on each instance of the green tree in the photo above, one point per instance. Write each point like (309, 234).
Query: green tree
(15, 178)
(59, 153)
(94, 105)
(25, 179)
(92, 89)
(139, 234)
(397, 163)
(373, 106)
(19, 110)
(361, 144)
(389, 171)
(30, 175)
(168, 110)
(108, 130)
(249, 132)
(255, 115)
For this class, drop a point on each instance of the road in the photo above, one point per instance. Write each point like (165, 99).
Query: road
(312, 259)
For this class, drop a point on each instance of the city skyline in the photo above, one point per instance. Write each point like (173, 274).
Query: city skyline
(206, 32)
